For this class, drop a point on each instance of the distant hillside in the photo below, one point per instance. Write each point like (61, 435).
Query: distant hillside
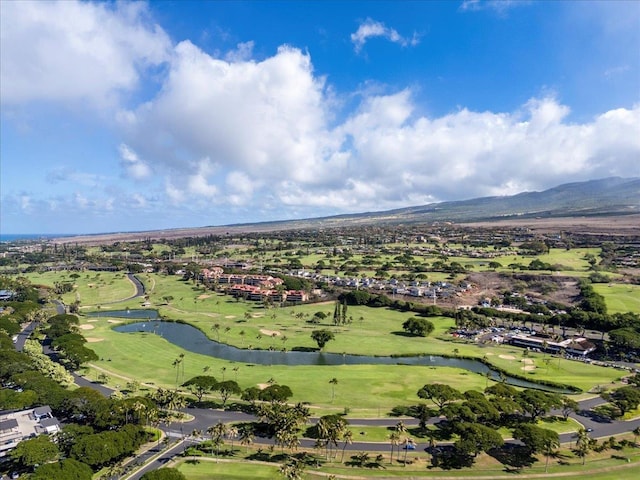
(609, 196)
(595, 198)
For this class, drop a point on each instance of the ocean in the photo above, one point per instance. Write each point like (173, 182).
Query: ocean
(15, 237)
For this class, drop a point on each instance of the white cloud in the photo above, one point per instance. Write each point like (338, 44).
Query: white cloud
(70, 50)
(498, 6)
(134, 167)
(264, 133)
(371, 29)
(243, 52)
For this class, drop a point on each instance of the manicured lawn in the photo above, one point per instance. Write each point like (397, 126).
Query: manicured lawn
(91, 288)
(207, 470)
(620, 298)
(601, 467)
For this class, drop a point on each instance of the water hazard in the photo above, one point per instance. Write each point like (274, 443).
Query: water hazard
(193, 340)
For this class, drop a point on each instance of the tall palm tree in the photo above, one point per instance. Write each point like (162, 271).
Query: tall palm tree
(333, 382)
(347, 437)
(232, 434)
(176, 365)
(246, 435)
(583, 444)
(394, 439)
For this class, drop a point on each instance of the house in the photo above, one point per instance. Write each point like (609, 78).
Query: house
(18, 426)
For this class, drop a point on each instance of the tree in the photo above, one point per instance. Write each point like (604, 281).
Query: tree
(200, 385)
(246, 435)
(321, 337)
(583, 444)
(537, 403)
(217, 433)
(67, 469)
(347, 437)
(226, 389)
(439, 393)
(569, 405)
(537, 439)
(476, 438)
(624, 398)
(35, 451)
(420, 327)
(333, 382)
(164, 474)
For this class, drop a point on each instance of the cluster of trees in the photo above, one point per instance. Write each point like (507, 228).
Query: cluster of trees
(203, 384)
(474, 418)
(68, 342)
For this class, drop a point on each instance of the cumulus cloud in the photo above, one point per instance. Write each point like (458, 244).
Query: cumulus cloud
(133, 166)
(71, 50)
(371, 29)
(264, 133)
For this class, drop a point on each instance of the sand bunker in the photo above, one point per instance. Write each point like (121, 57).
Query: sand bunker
(528, 361)
(270, 333)
(230, 316)
(92, 321)
(93, 339)
(262, 386)
(203, 296)
(507, 357)
(528, 367)
(114, 321)
(87, 327)
(488, 354)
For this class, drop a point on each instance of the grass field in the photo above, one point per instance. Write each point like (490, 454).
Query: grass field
(619, 298)
(91, 288)
(605, 466)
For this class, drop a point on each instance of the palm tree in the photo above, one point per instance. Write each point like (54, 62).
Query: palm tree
(347, 436)
(246, 435)
(333, 382)
(235, 370)
(242, 334)
(176, 365)
(182, 364)
(401, 430)
(232, 433)
(394, 438)
(583, 444)
(636, 434)
(550, 444)
(216, 327)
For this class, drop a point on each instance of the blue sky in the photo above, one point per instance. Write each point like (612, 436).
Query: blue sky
(134, 116)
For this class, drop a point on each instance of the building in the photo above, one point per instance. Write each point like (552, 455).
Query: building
(18, 426)
(578, 346)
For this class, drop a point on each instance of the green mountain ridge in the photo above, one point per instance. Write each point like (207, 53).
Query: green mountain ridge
(608, 196)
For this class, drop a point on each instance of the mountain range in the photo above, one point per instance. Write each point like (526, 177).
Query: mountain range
(603, 197)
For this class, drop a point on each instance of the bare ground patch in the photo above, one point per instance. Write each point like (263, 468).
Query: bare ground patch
(270, 333)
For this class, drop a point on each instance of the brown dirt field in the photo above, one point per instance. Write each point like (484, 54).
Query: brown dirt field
(614, 225)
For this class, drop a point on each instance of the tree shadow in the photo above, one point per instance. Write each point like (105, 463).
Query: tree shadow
(514, 457)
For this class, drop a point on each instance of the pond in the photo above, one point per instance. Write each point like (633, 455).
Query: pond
(193, 340)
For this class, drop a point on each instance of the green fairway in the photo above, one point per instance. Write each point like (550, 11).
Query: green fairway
(91, 289)
(620, 298)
